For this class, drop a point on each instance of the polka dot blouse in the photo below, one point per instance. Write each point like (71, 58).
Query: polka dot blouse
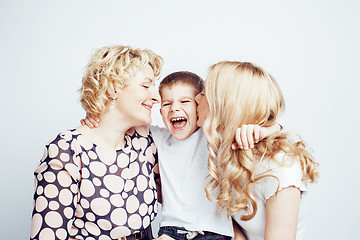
(82, 192)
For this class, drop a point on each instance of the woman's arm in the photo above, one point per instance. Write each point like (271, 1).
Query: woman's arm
(55, 193)
(282, 210)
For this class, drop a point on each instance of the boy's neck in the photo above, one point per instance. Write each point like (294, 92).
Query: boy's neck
(185, 138)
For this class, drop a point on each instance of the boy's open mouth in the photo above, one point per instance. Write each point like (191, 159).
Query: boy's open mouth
(178, 122)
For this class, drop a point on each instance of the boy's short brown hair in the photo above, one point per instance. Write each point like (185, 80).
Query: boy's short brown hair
(183, 77)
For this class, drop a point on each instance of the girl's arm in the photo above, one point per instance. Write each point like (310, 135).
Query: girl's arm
(247, 135)
(238, 234)
(282, 210)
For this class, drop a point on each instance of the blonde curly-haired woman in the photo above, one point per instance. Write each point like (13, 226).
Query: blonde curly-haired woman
(263, 188)
(99, 183)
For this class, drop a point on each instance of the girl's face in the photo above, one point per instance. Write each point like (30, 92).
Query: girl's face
(202, 108)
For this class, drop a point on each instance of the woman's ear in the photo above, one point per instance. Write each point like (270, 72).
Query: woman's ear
(112, 91)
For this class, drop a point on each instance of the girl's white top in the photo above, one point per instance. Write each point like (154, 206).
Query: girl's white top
(288, 175)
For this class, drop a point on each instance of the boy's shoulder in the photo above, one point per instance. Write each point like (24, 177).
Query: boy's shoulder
(159, 133)
(154, 129)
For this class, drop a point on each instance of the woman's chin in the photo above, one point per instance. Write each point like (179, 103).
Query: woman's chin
(147, 121)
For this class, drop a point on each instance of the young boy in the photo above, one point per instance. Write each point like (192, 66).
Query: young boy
(186, 211)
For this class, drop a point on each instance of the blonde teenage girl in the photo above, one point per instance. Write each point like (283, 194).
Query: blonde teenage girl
(263, 188)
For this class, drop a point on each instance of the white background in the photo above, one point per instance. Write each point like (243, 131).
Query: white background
(310, 47)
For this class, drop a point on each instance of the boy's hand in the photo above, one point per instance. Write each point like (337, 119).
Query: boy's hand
(91, 121)
(247, 135)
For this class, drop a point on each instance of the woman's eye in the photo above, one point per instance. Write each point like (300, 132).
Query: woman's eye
(185, 101)
(146, 86)
(166, 104)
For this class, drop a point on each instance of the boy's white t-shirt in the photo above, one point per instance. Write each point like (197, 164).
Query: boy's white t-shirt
(183, 169)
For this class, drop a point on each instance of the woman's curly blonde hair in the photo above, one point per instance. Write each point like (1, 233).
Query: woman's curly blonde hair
(247, 95)
(113, 66)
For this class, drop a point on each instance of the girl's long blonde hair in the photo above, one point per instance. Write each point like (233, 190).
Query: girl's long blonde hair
(241, 93)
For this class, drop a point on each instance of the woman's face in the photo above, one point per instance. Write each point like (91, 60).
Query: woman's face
(202, 108)
(137, 97)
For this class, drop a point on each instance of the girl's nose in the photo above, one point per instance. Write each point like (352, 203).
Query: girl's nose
(198, 98)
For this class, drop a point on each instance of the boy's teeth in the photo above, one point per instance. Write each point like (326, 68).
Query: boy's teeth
(178, 119)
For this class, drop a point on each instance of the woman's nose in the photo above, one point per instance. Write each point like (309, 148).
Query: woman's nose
(155, 96)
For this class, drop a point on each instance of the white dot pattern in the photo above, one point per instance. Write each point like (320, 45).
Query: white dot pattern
(108, 197)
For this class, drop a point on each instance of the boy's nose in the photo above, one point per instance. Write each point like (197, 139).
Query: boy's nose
(174, 107)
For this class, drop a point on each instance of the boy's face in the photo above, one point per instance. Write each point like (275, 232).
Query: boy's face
(178, 110)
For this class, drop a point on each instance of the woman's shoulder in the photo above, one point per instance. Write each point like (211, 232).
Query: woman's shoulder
(64, 136)
(69, 141)
(140, 138)
(58, 154)
(140, 131)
